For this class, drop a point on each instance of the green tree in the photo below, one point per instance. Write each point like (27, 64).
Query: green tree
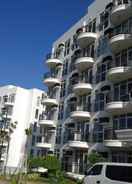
(95, 157)
(21, 178)
(55, 174)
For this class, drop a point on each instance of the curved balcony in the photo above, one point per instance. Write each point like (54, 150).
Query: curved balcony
(5, 144)
(8, 103)
(51, 79)
(120, 42)
(84, 63)
(124, 134)
(98, 147)
(82, 88)
(120, 13)
(52, 61)
(119, 107)
(50, 102)
(47, 123)
(78, 145)
(116, 144)
(43, 145)
(2, 159)
(80, 115)
(86, 38)
(119, 73)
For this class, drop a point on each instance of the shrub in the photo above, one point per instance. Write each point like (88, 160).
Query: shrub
(95, 157)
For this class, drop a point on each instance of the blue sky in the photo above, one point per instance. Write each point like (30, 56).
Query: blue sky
(27, 30)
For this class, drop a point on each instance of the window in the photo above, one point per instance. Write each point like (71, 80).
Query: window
(129, 122)
(96, 170)
(84, 103)
(33, 140)
(35, 127)
(115, 123)
(91, 27)
(5, 98)
(87, 52)
(86, 76)
(39, 139)
(122, 122)
(65, 67)
(63, 89)
(12, 98)
(58, 137)
(36, 114)
(123, 90)
(101, 99)
(61, 111)
(67, 47)
(124, 173)
(38, 100)
(72, 66)
(102, 70)
(10, 110)
(98, 132)
(123, 28)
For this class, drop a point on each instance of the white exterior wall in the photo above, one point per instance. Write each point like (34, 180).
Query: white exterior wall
(24, 113)
(104, 51)
(94, 10)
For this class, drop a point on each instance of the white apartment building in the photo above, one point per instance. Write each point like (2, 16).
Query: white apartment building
(90, 86)
(24, 107)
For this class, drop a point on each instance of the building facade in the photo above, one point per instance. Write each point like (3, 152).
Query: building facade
(24, 107)
(90, 86)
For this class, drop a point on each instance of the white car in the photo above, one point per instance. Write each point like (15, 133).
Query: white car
(109, 173)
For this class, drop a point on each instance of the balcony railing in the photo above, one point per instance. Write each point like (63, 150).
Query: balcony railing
(47, 116)
(51, 56)
(81, 53)
(77, 107)
(124, 28)
(110, 134)
(116, 98)
(83, 107)
(121, 2)
(73, 135)
(85, 30)
(50, 75)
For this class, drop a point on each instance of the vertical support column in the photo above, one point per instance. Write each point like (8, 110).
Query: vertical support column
(53, 50)
(73, 162)
(84, 24)
(43, 136)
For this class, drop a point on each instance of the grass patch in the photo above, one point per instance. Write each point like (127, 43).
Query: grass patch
(32, 178)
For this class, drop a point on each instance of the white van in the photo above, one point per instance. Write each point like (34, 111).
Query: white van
(109, 173)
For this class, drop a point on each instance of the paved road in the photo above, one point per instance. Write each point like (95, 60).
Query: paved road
(3, 182)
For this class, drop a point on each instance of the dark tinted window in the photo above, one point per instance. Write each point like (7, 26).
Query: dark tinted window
(96, 170)
(119, 173)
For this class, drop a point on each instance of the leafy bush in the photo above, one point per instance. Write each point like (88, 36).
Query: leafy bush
(49, 162)
(95, 157)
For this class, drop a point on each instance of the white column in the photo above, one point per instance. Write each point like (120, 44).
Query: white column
(73, 162)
